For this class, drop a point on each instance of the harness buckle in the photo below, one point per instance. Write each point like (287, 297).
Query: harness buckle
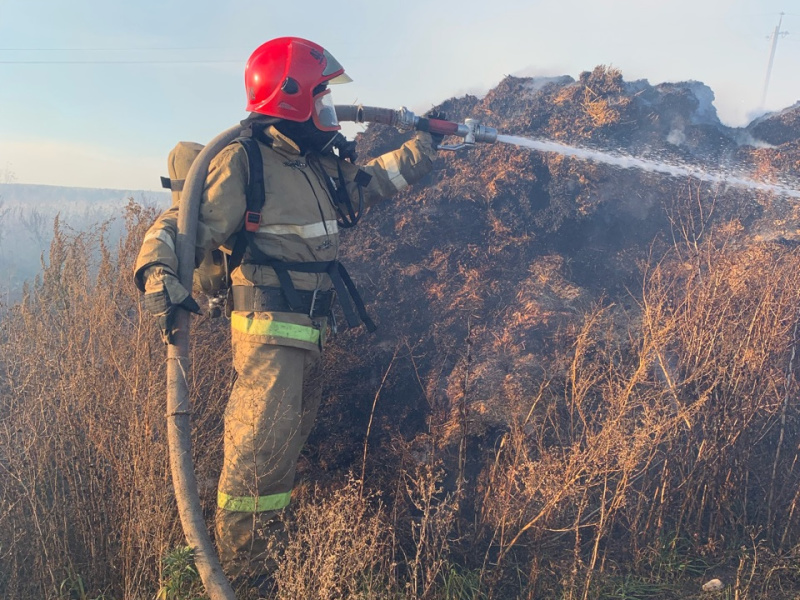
(313, 304)
(326, 304)
(252, 221)
(334, 324)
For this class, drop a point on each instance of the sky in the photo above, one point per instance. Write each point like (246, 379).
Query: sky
(94, 93)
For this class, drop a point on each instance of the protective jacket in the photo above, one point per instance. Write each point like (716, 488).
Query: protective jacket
(276, 354)
(298, 221)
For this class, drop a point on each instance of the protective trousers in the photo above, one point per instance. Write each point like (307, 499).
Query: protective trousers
(268, 418)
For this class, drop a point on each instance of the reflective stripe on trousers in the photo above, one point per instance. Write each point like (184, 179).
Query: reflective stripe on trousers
(253, 503)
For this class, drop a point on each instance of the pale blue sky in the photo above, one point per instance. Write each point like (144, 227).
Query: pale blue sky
(95, 93)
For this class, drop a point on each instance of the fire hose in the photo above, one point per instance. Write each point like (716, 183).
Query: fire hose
(471, 130)
(179, 429)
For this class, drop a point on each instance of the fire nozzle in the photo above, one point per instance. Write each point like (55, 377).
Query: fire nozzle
(472, 130)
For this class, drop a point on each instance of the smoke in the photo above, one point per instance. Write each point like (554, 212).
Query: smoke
(537, 84)
(7, 174)
(676, 137)
(744, 138)
(706, 112)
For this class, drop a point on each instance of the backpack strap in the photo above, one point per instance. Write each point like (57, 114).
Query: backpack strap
(255, 195)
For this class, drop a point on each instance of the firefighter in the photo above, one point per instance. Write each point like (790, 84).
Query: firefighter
(284, 287)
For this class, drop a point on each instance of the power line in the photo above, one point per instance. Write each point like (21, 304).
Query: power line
(120, 61)
(117, 62)
(159, 49)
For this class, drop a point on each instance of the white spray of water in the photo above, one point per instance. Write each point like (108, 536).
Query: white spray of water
(652, 166)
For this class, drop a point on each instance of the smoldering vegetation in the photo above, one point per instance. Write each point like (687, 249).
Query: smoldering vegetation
(583, 386)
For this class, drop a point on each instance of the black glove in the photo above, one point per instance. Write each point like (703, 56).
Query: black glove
(163, 294)
(345, 148)
(438, 138)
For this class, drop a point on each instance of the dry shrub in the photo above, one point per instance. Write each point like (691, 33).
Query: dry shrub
(431, 531)
(85, 490)
(338, 548)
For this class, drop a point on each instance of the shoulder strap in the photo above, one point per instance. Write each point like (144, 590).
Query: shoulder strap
(256, 195)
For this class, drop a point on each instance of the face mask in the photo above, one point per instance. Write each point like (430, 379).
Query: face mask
(306, 135)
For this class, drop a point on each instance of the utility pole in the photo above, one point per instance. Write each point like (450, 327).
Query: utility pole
(775, 35)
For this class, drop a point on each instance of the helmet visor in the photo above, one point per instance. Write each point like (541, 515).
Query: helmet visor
(324, 114)
(334, 66)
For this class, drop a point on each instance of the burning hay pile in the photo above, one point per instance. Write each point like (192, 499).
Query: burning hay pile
(603, 355)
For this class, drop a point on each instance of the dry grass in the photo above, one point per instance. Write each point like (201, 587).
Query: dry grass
(659, 441)
(84, 486)
(668, 430)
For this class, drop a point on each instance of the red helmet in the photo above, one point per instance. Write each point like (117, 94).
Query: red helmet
(287, 78)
